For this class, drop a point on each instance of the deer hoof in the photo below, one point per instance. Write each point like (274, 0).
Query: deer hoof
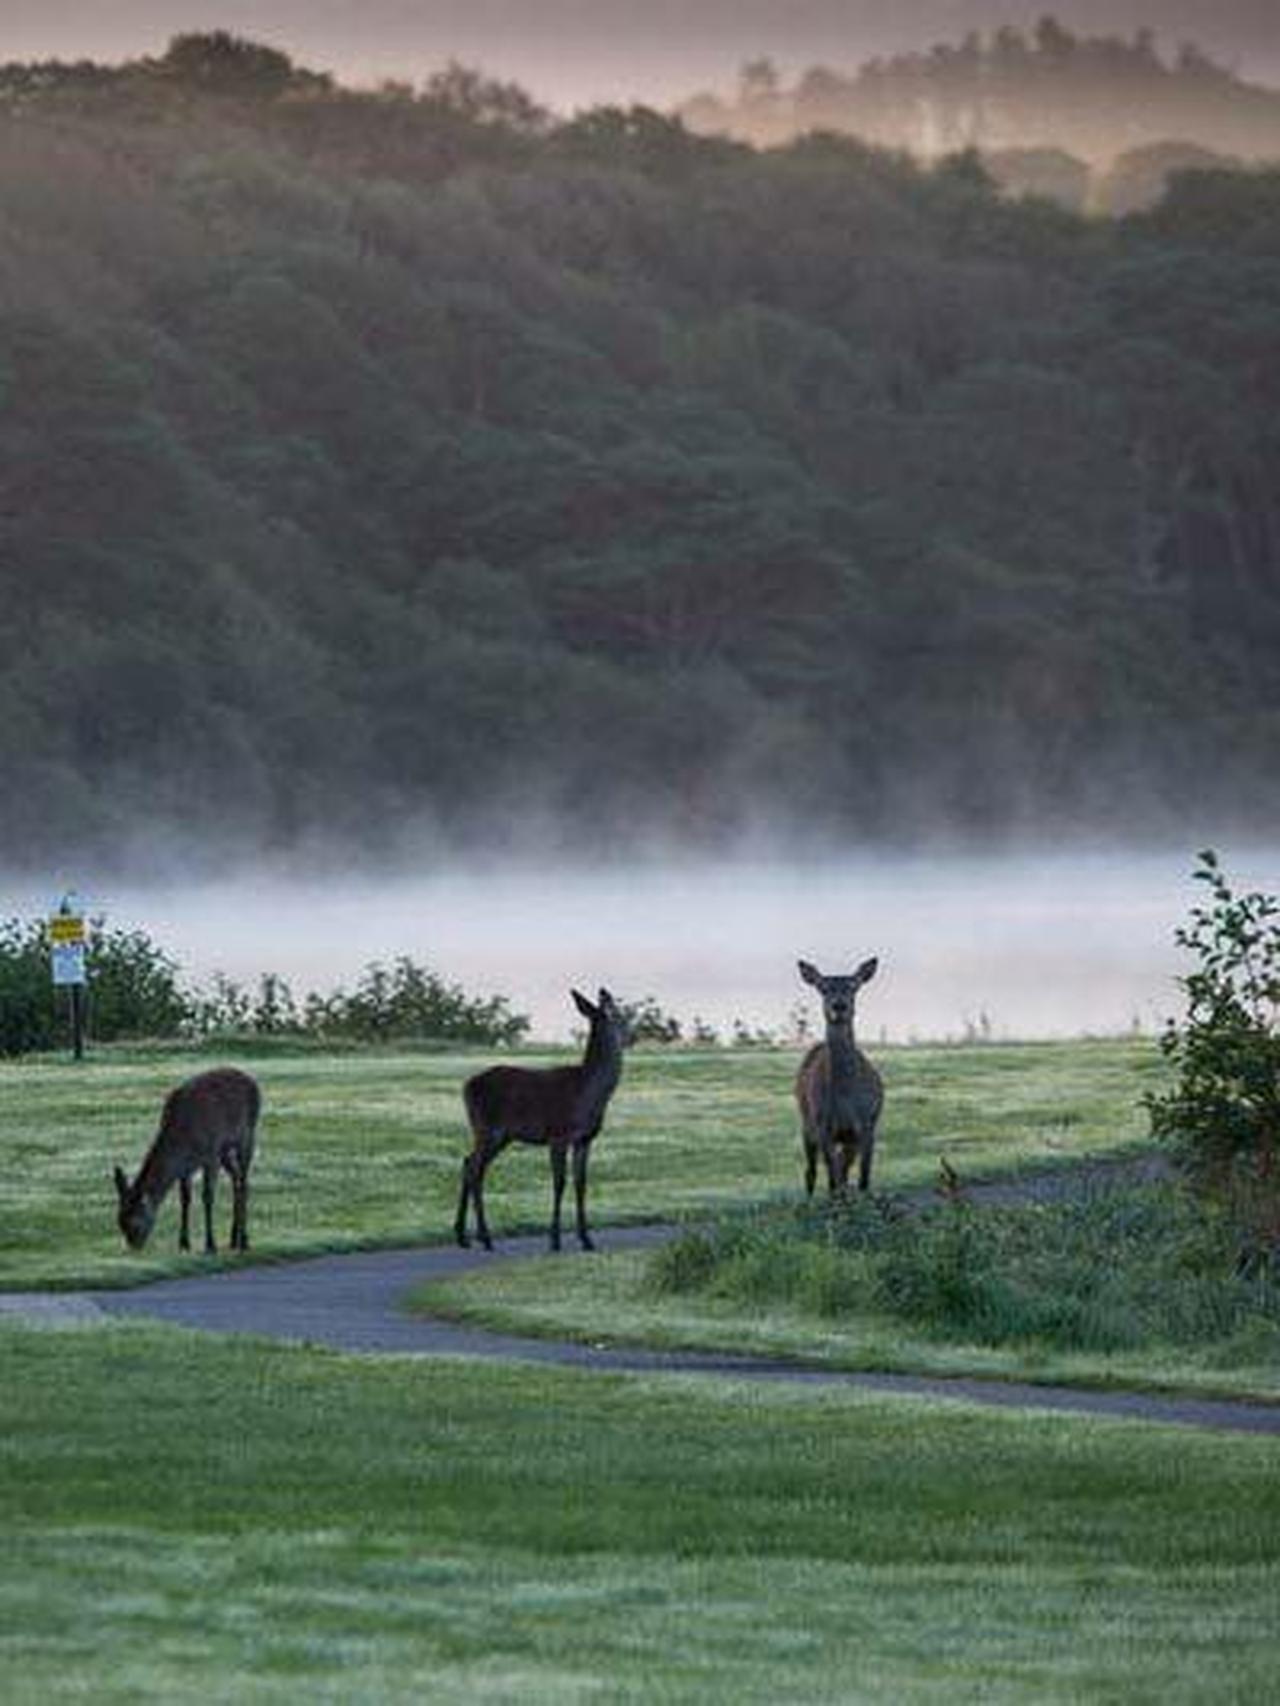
(585, 1240)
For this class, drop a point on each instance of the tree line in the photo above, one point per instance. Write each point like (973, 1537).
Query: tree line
(405, 460)
(1097, 98)
(136, 991)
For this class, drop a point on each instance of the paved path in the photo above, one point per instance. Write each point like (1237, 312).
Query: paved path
(355, 1303)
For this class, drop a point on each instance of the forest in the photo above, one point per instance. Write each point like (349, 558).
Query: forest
(411, 462)
(1106, 103)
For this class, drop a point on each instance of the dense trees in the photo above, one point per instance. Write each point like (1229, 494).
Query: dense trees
(1096, 97)
(406, 457)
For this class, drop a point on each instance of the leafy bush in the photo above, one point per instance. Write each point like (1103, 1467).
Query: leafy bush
(226, 1008)
(134, 991)
(388, 1004)
(1109, 1269)
(133, 988)
(648, 1023)
(1222, 1117)
(408, 1000)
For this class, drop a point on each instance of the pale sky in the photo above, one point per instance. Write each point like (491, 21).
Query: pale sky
(571, 53)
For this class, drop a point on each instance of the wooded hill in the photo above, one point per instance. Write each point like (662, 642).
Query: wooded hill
(1098, 99)
(369, 459)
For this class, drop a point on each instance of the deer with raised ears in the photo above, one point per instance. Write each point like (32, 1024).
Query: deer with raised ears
(206, 1124)
(559, 1107)
(839, 1091)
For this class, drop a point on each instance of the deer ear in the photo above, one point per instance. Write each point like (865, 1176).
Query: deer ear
(583, 1005)
(809, 973)
(604, 998)
(122, 1183)
(867, 970)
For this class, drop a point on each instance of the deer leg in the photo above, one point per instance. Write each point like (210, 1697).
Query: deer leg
(244, 1206)
(184, 1225)
(208, 1185)
(810, 1166)
(235, 1166)
(580, 1154)
(479, 1163)
(836, 1168)
(464, 1195)
(557, 1191)
(864, 1166)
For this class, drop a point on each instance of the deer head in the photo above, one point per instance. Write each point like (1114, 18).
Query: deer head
(606, 1018)
(838, 993)
(137, 1211)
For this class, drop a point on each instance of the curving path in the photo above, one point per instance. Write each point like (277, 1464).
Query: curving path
(355, 1303)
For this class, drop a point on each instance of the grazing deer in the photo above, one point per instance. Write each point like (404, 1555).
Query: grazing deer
(562, 1107)
(206, 1123)
(838, 1089)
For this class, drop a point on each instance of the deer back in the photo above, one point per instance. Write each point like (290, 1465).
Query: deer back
(203, 1120)
(525, 1104)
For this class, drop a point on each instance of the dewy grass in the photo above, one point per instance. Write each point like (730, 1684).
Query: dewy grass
(194, 1517)
(365, 1147)
(1123, 1288)
(1106, 1269)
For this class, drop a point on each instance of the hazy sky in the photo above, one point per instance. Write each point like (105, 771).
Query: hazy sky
(576, 52)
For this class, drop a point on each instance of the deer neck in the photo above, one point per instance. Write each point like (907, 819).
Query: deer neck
(155, 1175)
(602, 1063)
(842, 1051)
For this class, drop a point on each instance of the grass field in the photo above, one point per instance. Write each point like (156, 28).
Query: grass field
(365, 1147)
(188, 1516)
(199, 1518)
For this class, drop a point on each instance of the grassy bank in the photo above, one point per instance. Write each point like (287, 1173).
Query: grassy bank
(226, 1520)
(618, 1303)
(365, 1147)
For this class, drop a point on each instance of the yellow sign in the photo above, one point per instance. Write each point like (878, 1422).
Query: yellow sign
(65, 930)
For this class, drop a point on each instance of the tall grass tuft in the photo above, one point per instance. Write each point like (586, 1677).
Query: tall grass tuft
(1112, 1268)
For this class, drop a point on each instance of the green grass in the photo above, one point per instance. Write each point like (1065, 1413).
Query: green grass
(225, 1520)
(364, 1148)
(1110, 1284)
(617, 1304)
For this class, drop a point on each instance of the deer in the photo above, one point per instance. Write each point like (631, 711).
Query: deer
(208, 1122)
(839, 1092)
(561, 1107)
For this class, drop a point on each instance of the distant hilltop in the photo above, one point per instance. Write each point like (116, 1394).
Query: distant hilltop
(1097, 123)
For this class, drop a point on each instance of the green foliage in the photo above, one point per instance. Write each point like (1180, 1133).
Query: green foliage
(1107, 1270)
(135, 991)
(1222, 1116)
(1096, 95)
(221, 63)
(403, 1002)
(836, 489)
(407, 1000)
(647, 1022)
(133, 988)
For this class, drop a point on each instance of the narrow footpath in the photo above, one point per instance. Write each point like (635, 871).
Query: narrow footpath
(356, 1303)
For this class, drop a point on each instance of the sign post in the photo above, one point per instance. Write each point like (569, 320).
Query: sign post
(67, 963)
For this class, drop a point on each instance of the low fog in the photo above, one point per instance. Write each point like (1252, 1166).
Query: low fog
(573, 53)
(1016, 946)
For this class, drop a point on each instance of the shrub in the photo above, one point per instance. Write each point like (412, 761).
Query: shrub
(648, 1023)
(133, 988)
(408, 1000)
(1222, 1118)
(134, 992)
(1109, 1269)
